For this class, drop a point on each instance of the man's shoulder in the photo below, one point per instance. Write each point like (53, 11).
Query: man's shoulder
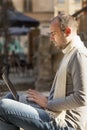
(80, 51)
(78, 56)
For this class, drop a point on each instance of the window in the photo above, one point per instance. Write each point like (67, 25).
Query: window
(61, 1)
(27, 5)
(77, 0)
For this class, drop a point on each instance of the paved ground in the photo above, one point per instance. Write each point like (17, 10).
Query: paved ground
(22, 78)
(20, 81)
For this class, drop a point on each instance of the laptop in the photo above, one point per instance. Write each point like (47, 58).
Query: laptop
(12, 89)
(10, 86)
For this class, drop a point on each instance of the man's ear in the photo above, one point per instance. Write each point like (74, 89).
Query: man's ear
(68, 31)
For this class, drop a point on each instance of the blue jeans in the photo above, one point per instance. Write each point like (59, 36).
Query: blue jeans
(25, 116)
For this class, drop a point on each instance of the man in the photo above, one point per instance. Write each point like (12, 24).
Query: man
(66, 106)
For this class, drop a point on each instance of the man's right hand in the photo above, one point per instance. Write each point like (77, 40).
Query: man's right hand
(37, 97)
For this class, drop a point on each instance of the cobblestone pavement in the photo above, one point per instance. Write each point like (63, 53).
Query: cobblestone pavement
(20, 77)
(20, 81)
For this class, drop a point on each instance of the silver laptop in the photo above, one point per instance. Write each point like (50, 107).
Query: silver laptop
(10, 86)
(12, 89)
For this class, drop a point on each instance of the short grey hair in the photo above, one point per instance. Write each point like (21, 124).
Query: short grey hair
(66, 21)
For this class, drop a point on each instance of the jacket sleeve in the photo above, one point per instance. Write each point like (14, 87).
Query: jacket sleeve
(77, 69)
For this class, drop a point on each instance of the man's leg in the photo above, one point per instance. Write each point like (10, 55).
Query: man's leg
(27, 117)
(23, 116)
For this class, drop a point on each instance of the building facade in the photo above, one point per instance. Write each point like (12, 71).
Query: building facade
(45, 10)
(68, 6)
(38, 9)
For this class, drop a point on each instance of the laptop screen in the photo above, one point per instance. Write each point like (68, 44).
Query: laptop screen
(10, 86)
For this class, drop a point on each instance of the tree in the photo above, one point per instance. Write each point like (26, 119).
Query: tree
(5, 5)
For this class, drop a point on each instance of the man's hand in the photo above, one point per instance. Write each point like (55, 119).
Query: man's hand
(37, 97)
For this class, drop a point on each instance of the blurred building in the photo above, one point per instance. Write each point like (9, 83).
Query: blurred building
(68, 6)
(38, 9)
(45, 10)
(83, 17)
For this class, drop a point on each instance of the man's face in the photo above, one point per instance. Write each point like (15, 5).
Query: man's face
(57, 36)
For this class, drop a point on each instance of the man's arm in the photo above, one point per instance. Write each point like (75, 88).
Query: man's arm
(78, 72)
(37, 97)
